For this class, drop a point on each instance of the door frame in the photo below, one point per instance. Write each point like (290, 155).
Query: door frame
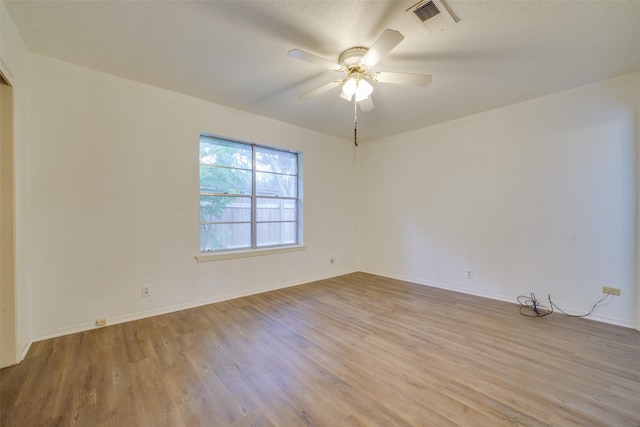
(8, 315)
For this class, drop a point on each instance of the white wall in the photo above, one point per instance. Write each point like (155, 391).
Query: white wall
(535, 197)
(114, 200)
(13, 57)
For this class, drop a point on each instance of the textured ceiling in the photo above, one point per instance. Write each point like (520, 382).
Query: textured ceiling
(234, 53)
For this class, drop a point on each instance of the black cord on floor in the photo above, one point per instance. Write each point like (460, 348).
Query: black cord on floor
(530, 307)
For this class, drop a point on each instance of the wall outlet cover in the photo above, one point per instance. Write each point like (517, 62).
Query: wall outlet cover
(611, 291)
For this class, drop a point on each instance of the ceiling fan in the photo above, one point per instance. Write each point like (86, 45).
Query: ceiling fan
(356, 63)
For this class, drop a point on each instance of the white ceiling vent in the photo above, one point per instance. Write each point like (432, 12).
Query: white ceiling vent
(431, 15)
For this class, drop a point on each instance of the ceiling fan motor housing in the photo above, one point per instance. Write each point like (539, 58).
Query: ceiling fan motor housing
(351, 57)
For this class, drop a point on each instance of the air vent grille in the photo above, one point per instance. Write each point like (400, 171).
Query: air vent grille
(431, 15)
(426, 11)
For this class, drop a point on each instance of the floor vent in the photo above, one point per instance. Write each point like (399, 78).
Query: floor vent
(431, 15)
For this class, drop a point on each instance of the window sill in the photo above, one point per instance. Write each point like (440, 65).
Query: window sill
(218, 256)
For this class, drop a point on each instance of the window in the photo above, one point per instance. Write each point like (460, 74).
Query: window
(249, 196)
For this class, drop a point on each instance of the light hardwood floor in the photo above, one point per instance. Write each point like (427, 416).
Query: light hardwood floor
(356, 350)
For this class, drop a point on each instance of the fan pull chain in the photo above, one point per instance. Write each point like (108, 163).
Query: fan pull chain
(355, 122)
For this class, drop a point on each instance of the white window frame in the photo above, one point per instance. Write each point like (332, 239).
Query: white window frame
(255, 250)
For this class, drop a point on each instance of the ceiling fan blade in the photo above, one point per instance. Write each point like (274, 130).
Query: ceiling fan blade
(387, 41)
(322, 89)
(314, 59)
(366, 104)
(402, 78)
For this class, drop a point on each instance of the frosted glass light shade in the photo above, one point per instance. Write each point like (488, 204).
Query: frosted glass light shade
(356, 85)
(363, 90)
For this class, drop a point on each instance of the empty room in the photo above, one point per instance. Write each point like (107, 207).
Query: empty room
(319, 213)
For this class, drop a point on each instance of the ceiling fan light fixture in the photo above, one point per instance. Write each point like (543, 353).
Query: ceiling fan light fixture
(346, 96)
(363, 91)
(358, 86)
(350, 87)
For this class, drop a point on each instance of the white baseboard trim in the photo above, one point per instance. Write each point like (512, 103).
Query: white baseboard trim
(25, 349)
(129, 317)
(495, 296)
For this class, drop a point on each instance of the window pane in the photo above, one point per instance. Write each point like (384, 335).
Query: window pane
(242, 207)
(225, 153)
(270, 184)
(276, 210)
(224, 236)
(225, 209)
(269, 160)
(223, 180)
(276, 233)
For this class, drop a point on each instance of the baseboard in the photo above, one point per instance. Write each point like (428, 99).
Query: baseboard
(495, 296)
(24, 350)
(129, 317)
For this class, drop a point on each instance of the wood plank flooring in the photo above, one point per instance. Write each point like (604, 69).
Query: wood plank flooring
(356, 350)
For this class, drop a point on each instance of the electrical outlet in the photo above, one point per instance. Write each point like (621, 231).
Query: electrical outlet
(146, 290)
(611, 291)
(101, 322)
(469, 274)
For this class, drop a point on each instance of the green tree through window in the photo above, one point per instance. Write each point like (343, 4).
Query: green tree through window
(249, 195)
